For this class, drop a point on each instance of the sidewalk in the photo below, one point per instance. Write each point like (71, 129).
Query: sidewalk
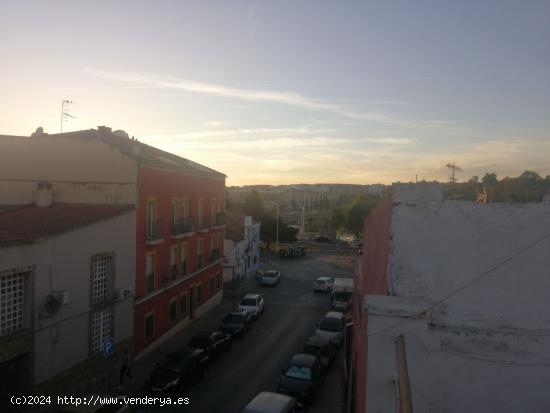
(330, 397)
(210, 320)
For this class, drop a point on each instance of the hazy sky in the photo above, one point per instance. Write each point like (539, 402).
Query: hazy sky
(288, 92)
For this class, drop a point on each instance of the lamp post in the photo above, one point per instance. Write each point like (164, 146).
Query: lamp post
(277, 229)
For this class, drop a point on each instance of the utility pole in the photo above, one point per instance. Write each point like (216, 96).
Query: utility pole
(403, 384)
(452, 176)
(65, 112)
(277, 229)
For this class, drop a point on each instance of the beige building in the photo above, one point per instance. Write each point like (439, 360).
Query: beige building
(66, 283)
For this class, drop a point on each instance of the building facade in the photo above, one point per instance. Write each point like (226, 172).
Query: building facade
(66, 277)
(242, 243)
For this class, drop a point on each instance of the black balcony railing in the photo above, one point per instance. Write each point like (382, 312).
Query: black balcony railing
(214, 255)
(150, 282)
(153, 230)
(203, 222)
(220, 219)
(174, 271)
(180, 226)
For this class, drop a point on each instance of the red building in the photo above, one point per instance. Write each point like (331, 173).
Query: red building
(179, 243)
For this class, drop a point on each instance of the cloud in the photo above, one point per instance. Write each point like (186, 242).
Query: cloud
(285, 98)
(390, 141)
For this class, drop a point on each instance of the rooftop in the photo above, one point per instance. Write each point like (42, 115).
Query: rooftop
(27, 224)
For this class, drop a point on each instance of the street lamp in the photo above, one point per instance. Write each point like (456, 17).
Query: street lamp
(277, 229)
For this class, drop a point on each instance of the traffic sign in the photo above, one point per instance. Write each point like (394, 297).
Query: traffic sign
(109, 347)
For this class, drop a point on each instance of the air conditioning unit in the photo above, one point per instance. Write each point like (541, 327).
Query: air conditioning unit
(122, 293)
(54, 301)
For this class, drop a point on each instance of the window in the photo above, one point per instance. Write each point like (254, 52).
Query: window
(199, 293)
(199, 253)
(185, 207)
(173, 309)
(218, 280)
(184, 306)
(201, 213)
(211, 282)
(174, 257)
(12, 297)
(101, 327)
(214, 210)
(152, 223)
(184, 258)
(150, 270)
(149, 326)
(175, 221)
(102, 278)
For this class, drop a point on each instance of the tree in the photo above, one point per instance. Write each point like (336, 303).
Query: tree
(357, 211)
(337, 218)
(490, 179)
(254, 205)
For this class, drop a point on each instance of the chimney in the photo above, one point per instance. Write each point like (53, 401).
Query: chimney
(44, 195)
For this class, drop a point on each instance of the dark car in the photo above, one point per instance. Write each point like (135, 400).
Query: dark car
(215, 343)
(178, 371)
(322, 238)
(301, 378)
(237, 323)
(322, 348)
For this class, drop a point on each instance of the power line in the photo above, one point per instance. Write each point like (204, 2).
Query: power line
(468, 284)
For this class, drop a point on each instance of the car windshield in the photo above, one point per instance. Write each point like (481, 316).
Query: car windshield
(249, 302)
(298, 372)
(234, 319)
(342, 295)
(270, 274)
(330, 324)
(320, 281)
(311, 349)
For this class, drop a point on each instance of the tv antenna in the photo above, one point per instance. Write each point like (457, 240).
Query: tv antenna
(65, 108)
(452, 175)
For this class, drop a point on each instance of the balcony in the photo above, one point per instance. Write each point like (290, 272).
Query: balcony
(220, 219)
(150, 282)
(214, 255)
(199, 261)
(173, 272)
(183, 268)
(180, 226)
(153, 231)
(203, 223)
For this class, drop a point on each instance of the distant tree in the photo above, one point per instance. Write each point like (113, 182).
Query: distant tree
(357, 211)
(254, 205)
(490, 179)
(474, 179)
(337, 218)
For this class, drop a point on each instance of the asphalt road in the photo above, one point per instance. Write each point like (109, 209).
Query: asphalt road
(254, 364)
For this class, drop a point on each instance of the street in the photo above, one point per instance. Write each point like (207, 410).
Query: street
(254, 364)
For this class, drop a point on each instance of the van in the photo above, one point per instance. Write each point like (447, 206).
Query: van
(268, 402)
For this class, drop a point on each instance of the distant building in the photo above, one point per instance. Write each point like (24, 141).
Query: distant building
(242, 248)
(466, 286)
(66, 282)
(179, 214)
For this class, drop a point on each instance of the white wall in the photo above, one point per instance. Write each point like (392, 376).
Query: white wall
(63, 263)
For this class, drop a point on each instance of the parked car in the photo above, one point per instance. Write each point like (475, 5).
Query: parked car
(178, 371)
(301, 378)
(322, 238)
(253, 303)
(271, 277)
(331, 327)
(323, 284)
(268, 402)
(215, 343)
(322, 348)
(236, 323)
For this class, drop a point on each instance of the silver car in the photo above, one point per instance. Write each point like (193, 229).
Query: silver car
(271, 277)
(323, 284)
(331, 327)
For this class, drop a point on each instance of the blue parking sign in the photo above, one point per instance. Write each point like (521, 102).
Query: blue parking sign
(109, 347)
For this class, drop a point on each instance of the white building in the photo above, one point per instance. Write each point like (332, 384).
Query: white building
(242, 248)
(466, 285)
(67, 281)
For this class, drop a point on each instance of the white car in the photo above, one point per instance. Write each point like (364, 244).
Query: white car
(271, 277)
(331, 327)
(323, 284)
(253, 304)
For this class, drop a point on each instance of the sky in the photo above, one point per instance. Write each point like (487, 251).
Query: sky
(279, 92)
